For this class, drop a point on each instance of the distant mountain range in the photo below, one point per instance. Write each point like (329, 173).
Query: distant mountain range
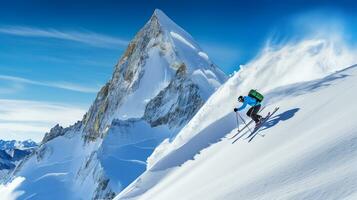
(12, 152)
(13, 144)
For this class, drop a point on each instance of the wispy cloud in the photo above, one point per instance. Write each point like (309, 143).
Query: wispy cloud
(22, 119)
(61, 85)
(86, 37)
(11, 88)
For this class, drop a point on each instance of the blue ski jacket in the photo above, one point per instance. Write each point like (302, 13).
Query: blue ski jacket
(248, 101)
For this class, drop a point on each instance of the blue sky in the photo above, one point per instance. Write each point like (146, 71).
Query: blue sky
(55, 55)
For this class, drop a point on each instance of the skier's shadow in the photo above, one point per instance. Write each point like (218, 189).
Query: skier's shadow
(281, 117)
(274, 120)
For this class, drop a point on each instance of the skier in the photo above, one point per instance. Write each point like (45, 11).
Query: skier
(253, 111)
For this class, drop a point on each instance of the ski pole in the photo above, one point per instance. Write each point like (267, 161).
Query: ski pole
(244, 122)
(248, 126)
(237, 121)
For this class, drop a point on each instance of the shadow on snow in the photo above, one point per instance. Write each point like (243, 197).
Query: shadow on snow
(278, 118)
(274, 120)
(208, 136)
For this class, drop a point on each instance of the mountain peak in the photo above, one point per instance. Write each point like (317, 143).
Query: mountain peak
(168, 25)
(161, 15)
(157, 86)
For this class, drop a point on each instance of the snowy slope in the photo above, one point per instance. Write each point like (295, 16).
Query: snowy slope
(157, 86)
(271, 66)
(309, 150)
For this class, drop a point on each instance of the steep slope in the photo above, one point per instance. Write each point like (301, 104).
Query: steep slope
(308, 151)
(157, 86)
(150, 63)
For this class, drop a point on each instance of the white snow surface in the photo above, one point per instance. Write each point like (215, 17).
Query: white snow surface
(156, 71)
(295, 62)
(8, 192)
(174, 29)
(187, 49)
(52, 175)
(68, 168)
(129, 151)
(271, 69)
(203, 55)
(309, 148)
(182, 39)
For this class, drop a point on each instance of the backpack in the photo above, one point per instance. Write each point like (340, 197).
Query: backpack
(256, 95)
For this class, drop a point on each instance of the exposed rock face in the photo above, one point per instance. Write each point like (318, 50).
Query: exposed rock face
(176, 104)
(58, 130)
(125, 79)
(93, 119)
(54, 132)
(5, 161)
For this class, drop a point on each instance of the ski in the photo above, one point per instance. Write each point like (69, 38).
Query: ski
(256, 129)
(252, 132)
(244, 127)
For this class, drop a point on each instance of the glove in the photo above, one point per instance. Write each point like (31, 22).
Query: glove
(235, 109)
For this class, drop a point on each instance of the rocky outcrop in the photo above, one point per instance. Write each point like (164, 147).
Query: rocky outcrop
(125, 80)
(176, 104)
(58, 130)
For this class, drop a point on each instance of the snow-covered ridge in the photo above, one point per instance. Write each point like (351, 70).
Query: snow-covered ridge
(305, 60)
(176, 31)
(282, 75)
(182, 39)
